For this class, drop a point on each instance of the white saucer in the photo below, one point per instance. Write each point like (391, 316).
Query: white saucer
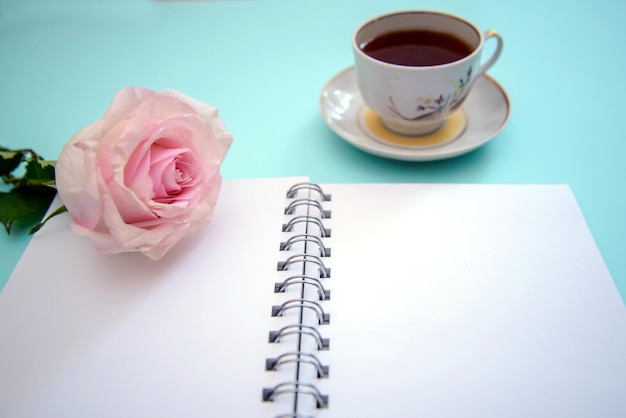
(487, 110)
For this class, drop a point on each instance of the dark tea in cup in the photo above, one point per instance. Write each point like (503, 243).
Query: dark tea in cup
(417, 48)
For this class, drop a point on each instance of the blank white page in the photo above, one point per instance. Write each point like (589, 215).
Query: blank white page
(84, 334)
(470, 301)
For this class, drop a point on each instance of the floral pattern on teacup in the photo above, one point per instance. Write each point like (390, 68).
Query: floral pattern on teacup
(433, 104)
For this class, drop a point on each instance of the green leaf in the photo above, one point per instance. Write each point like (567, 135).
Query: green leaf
(56, 212)
(16, 205)
(39, 170)
(9, 161)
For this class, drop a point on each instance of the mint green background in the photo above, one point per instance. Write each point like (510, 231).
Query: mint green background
(263, 63)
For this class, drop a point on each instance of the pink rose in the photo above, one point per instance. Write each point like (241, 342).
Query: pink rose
(146, 174)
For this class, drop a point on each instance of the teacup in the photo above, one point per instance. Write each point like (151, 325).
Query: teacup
(415, 68)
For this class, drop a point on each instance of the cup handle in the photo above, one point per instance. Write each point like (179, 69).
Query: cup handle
(488, 35)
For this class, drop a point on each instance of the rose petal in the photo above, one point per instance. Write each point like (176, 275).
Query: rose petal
(146, 174)
(79, 193)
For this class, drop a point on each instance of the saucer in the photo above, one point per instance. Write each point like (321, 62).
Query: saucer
(484, 113)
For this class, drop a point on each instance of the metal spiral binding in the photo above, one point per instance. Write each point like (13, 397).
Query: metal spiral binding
(297, 357)
(324, 214)
(306, 222)
(296, 387)
(322, 317)
(314, 239)
(304, 258)
(308, 219)
(300, 329)
(303, 279)
(310, 186)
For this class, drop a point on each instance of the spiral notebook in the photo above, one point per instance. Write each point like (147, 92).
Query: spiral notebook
(328, 301)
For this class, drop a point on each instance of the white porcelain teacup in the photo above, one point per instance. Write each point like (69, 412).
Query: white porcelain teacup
(415, 68)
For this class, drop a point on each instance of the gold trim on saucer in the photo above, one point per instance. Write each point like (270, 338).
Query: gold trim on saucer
(451, 129)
